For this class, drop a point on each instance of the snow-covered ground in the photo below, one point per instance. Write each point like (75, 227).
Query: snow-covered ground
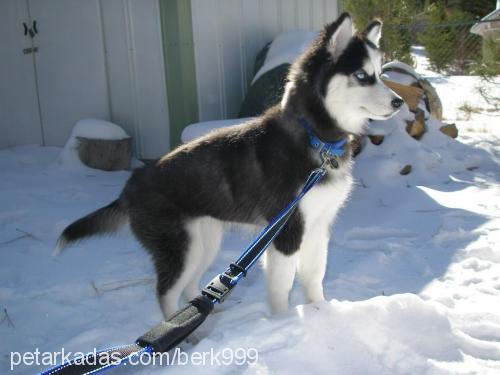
(413, 278)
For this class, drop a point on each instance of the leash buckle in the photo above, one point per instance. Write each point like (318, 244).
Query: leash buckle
(220, 287)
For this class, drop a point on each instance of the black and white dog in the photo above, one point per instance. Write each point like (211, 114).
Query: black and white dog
(178, 207)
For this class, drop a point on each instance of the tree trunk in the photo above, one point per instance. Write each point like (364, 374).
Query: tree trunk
(105, 154)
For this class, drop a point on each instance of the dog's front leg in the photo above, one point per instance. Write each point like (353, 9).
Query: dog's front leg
(281, 263)
(312, 261)
(280, 272)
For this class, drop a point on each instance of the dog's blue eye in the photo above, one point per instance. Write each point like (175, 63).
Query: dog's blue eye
(361, 76)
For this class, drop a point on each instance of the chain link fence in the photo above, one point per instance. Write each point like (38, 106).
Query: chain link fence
(451, 48)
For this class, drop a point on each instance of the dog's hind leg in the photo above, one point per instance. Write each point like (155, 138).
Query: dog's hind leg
(169, 298)
(206, 236)
(178, 264)
(182, 253)
(171, 265)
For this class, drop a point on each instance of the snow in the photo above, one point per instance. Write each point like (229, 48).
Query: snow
(412, 284)
(97, 129)
(365, 337)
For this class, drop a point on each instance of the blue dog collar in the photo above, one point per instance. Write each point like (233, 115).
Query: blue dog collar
(330, 150)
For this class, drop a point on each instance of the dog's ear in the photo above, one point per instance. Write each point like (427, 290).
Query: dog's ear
(338, 35)
(373, 32)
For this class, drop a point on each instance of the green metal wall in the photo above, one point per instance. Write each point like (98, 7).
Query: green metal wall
(176, 22)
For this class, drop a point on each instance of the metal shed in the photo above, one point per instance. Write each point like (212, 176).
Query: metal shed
(151, 66)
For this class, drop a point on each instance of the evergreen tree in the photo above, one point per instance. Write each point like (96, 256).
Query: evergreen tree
(397, 15)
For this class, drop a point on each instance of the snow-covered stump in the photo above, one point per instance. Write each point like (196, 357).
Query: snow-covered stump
(105, 154)
(97, 144)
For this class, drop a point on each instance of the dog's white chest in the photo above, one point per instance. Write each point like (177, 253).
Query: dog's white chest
(321, 204)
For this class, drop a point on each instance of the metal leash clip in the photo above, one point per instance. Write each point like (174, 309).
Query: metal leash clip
(328, 158)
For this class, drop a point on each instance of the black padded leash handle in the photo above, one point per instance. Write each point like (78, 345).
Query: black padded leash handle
(161, 338)
(180, 325)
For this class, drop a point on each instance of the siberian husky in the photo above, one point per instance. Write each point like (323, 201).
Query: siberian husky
(248, 173)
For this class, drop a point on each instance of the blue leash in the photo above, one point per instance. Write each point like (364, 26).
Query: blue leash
(181, 324)
(83, 365)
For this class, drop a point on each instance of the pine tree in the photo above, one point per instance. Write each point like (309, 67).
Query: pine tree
(397, 16)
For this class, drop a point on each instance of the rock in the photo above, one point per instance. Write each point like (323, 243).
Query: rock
(416, 128)
(105, 154)
(405, 170)
(376, 139)
(450, 130)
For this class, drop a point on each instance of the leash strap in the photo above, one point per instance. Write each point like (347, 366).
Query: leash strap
(181, 324)
(100, 361)
(221, 286)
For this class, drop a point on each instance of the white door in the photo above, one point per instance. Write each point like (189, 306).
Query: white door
(70, 64)
(19, 116)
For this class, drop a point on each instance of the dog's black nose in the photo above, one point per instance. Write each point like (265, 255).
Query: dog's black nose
(396, 103)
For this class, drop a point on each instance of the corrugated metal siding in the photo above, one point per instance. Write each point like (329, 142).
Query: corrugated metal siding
(99, 58)
(136, 75)
(228, 34)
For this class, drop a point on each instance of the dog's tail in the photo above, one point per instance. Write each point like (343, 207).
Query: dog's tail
(107, 219)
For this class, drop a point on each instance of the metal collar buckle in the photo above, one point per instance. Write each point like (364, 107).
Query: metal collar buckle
(330, 152)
